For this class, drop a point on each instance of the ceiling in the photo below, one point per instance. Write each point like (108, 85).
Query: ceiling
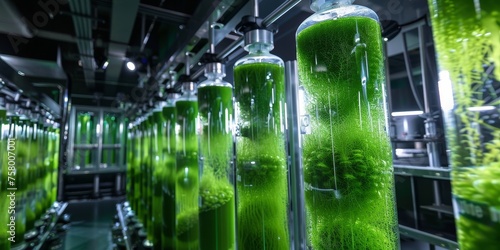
(81, 35)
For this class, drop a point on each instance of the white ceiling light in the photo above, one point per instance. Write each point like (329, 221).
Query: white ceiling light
(130, 66)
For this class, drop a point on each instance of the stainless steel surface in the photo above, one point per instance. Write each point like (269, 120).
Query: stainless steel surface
(427, 237)
(296, 172)
(259, 36)
(215, 67)
(125, 232)
(280, 11)
(59, 209)
(441, 173)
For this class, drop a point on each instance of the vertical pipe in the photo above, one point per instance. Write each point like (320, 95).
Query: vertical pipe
(255, 11)
(63, 141)
(414, 201)
(430, 123)
(211, 36)
(295, 153)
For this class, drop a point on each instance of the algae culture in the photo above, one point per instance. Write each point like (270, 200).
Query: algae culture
(159, 171)
(260, 155)
(467, 40)
(168, 188)
(217, 210)
(187, 183)
(347, 156)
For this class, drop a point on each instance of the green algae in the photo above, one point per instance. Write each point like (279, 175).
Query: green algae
(217, 213)
(168, 158)
(467, 40)
(347, 157)
(186, 178)
(262, 173)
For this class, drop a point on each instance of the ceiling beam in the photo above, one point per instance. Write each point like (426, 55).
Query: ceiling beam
(123, 15)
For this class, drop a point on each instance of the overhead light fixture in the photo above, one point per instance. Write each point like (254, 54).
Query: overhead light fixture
(130, 66)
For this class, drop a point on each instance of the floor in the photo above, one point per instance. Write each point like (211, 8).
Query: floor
(91, 221)
(90, 226)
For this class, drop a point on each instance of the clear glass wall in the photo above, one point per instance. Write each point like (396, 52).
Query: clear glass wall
(467, 40)
(347, 156)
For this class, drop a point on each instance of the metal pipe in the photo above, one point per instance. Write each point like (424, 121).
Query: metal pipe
(430, 122)
(146, 38)
(269, 19)
(188, 65)
(255, 10)
(280, 11)
(423, 68)
(410, 75)
(229, 49)
(295, 153)
(211, 36)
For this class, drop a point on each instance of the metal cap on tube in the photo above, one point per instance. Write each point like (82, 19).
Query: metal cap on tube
(317, 5)
(215, 67)
(259, 36)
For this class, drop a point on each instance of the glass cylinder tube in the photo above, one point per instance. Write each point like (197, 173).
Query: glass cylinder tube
(84, 135)
(158, 178)
(55, 163)
(187, 179)
(109, 137)
(46, 147)
(467, 40)
(5, 169)
(28, 133)
(262, 205)
(148, 179)
(140, 172)
(347, 156)
(130, 153)
(217, 191)
(169, 156)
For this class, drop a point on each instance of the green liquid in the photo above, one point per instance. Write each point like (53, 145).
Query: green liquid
(467, 38)
(260, 157)
(187, 184)
(168, 235)
(169, 155)
(347, 157)
(168, 188)
(157, 214)
(217, 212)
(220, 234)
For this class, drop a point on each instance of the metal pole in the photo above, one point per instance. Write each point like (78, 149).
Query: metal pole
(295, 155)
(430, 123)
(255, 8)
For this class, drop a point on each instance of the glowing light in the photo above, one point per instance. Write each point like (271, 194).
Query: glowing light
(445, 91)
(481, 108)
(407, 113)
(130, 66)
(105, 65)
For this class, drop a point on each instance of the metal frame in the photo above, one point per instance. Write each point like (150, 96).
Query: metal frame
(99, 144)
